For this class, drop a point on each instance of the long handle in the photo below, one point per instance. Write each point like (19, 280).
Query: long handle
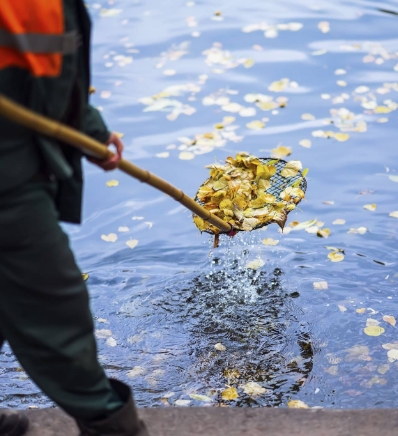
(48, 127)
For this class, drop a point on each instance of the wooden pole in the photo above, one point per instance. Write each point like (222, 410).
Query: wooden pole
(56, 130)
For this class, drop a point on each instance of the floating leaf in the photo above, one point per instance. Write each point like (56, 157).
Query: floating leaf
(307, 117)
(112, 237)
(297, 404)
(359, 230)
(390, 319)
(85, 276)
(253, 389)
(361, 310)
(164, 154)
(281, 151)
(373, 330)
(182, 403)
(136, 371)
(394, 214)
(372, 207)
(323, 233)
(304, 224)
(270, 241)
(306, 143)
(393, 178)
(111, 342)
(132, 243)
(201, 397)
(382, 110)
(186, 155)
(372, 322)
(339, 221)
(255, 264)
(333, 370)
(335, 256)
(103, 333)
(320, 285)
(341, 137)
(324, 26)
(112, 183)
(392, 355)
(123, 229)
(229, 394)
(219, 347)
(255, 125)
(342, 308)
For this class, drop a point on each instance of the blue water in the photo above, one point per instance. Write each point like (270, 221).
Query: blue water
(165, 303)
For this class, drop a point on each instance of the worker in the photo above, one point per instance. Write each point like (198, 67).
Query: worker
(44, 305)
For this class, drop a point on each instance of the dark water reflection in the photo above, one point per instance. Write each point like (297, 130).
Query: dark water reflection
(161, 307)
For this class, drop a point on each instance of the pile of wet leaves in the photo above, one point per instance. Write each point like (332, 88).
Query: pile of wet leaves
(249, 193)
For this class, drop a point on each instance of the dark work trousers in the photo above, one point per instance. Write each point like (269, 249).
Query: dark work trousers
(44, 305)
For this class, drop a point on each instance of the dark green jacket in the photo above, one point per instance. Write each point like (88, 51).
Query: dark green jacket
(23, 154)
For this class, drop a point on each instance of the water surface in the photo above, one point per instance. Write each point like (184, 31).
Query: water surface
(161, 307)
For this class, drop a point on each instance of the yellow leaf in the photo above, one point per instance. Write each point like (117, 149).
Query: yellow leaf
(304, 172)
(390, 319)
(186, 155)
(219, 347)
(253, 388)
(371, 207)
(306, 143)
(303, 225)
(361, 310)
(373, 330)
(270, 241)
(342, 308)
(255, 264)
(229, 394)
(248, 63)
(112, 183)
(297, 404)
(339, 221)
(307, 117)
(255, 125)
(323, 233)
(336, 256)
(382, 110)
(288, 172)
(341, 137)
(281, 151)
(394, 214)
(112, 237)
(279, 85)
(321, 285)
(132, 243)
(92, 90)
(85, 276)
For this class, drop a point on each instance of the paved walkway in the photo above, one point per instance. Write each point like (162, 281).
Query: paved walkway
(206, 421)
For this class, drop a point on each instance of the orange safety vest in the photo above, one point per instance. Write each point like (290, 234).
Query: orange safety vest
(32, 36)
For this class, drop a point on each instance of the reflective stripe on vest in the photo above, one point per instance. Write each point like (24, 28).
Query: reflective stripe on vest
(32, 36)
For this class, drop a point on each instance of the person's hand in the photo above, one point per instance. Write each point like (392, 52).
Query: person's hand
(112, 163)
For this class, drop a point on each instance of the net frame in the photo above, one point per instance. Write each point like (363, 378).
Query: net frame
(278, 184)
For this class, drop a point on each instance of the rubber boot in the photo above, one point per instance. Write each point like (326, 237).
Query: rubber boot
(123, 422)
(13, 423)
